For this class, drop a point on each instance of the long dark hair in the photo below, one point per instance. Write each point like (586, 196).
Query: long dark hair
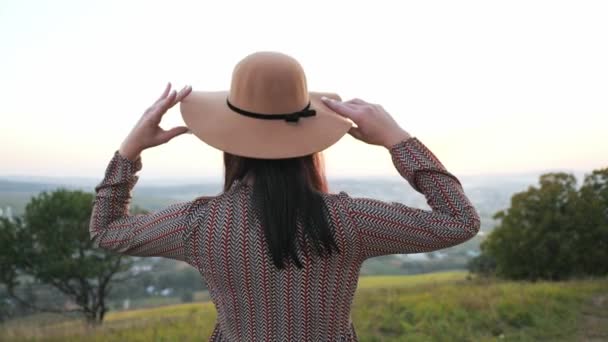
(286, 192)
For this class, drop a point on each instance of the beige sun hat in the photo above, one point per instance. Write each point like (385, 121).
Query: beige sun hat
(267, 113)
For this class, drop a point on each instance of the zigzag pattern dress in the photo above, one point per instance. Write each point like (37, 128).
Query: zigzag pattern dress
(223, 239)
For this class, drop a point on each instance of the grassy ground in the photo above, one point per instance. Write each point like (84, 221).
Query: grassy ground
(476, 311)
(436, 307)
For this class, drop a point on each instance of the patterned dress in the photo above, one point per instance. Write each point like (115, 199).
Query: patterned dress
(222, 238)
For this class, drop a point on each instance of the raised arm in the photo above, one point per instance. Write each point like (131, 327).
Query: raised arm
(112, 228)
(394, 228)
(156, 234)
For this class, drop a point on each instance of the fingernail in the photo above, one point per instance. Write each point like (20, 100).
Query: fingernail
(325, 98)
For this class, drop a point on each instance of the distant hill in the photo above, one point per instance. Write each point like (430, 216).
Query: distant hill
(488, 194)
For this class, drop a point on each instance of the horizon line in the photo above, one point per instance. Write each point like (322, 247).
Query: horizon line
(207, 178)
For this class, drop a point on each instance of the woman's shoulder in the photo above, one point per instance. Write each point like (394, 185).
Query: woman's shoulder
(228, 197)
(336, 199)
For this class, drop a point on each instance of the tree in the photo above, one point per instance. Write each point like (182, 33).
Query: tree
(592, 213)
(51, 246)
(551, 232)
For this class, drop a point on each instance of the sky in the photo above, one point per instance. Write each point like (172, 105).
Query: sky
(491, 87)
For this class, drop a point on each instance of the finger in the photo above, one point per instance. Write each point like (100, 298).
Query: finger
(156, 112)
(165, 92)
(182, 94)
(341, 108)
(166, 103)
(176, 99)
(175, 131)
(356, 133)
(356, 101)
(165, 136)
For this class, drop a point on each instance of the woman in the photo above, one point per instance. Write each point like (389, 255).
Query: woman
(281, 255)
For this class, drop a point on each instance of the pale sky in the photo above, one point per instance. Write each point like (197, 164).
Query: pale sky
(489, 86)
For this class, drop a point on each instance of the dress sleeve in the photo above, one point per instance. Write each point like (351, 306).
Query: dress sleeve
(394, 228)
(111, 227)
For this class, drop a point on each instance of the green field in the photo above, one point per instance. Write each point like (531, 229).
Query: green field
(433, 307)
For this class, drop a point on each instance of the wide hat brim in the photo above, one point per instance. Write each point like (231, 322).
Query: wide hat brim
(210, 119)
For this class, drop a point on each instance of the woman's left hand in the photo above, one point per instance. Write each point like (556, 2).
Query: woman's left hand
(147, 132)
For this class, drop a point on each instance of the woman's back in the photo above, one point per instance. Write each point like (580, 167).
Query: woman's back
(257, 301)
(223, 238)
(238, 239)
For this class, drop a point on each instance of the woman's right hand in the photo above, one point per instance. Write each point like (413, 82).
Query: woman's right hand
(374, 125)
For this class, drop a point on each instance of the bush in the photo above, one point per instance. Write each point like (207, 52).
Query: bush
(551, 232)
